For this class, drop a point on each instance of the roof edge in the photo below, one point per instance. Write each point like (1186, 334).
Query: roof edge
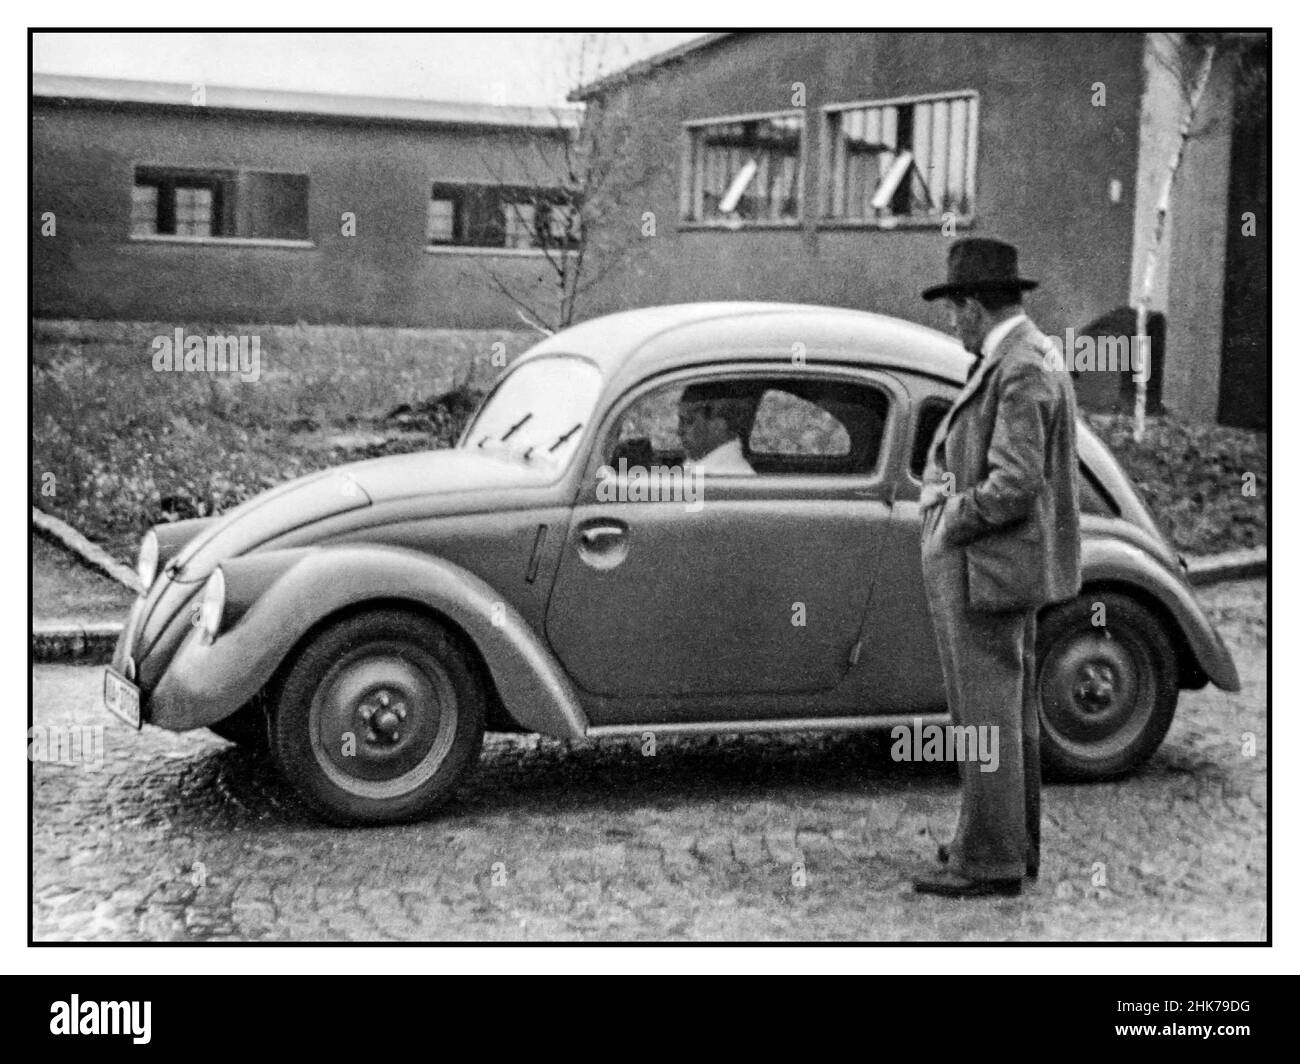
(279, 101)
(644, 66)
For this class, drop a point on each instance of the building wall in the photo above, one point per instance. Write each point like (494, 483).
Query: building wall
(1046, 160)
(84, 157)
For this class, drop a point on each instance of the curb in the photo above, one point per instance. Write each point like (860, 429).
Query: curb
(93, 643)
(1231, 565)
(81, 644)
(91, 553)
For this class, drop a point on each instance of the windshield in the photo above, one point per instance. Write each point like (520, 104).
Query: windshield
(538, 413)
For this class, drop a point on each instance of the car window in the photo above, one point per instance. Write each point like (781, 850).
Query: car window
(538, 410)
(789, 425)
(927, 424)
(795, 425)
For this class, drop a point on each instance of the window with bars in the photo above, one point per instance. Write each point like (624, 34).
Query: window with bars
(907, 159)
(219, 204)
(744, 170)
(502, 216)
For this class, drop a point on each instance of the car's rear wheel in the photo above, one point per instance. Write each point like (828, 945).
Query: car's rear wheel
(378, 717)
(1108, 690)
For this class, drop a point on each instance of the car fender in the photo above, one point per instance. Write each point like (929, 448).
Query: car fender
(208, 681)
(1108, 560)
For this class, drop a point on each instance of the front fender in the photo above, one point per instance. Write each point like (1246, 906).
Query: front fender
(208, 681)
(1108, 560)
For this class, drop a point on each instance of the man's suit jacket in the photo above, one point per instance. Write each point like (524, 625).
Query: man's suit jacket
(1012, 501)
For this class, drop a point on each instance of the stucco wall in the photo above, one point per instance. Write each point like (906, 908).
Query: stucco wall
(84, 160)
(1046, 160)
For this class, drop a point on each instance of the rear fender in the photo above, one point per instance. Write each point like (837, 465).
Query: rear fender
(1117, 562)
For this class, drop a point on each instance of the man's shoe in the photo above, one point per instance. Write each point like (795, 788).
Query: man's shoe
(1031, 871)
(951, 885)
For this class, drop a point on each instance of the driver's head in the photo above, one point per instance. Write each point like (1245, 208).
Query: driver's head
(710, 415)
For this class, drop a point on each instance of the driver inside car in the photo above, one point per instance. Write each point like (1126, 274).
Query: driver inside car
(712, 420)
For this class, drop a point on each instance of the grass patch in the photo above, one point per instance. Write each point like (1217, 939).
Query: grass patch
(123, 447)
(1194, 479)
(65, 588)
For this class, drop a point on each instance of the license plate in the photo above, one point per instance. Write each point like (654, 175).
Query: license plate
(122, 698)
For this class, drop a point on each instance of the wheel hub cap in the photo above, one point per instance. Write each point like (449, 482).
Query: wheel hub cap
(1095, 689)
(380, 715)
(382, 720)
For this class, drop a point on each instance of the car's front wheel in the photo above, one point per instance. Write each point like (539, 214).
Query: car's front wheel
(378, 717)
(1108, 679)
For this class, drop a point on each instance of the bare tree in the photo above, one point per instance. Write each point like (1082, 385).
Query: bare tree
(577, 204)
(1189, 59)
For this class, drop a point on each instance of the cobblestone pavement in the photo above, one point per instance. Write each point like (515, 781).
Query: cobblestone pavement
(185, 838)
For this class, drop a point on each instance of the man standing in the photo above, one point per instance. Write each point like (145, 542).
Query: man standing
(999, 540)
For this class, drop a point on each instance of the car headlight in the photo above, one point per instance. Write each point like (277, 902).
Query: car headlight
(146, 565)
(212, 605)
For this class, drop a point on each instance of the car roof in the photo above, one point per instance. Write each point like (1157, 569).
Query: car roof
(634, 344)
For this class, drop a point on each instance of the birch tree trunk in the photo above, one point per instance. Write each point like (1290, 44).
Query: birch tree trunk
(1162, 216)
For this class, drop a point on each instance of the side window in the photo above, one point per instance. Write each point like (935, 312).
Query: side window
(765, 426)
(927, 424)
(789, 426)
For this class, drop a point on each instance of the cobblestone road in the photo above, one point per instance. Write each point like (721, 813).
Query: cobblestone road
(185, 838)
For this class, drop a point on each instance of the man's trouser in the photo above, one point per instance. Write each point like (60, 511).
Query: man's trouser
(988, 670)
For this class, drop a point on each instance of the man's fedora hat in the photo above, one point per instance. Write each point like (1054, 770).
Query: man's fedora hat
(978, 264)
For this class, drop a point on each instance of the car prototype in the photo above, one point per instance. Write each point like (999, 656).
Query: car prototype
(563, 571)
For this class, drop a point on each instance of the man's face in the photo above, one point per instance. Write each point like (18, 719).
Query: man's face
(967, 320)
(700, 433)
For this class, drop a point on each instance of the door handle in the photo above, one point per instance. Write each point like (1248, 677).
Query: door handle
(600, 535)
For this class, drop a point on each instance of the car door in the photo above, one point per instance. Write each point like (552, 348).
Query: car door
(755, 583)
(898, 670)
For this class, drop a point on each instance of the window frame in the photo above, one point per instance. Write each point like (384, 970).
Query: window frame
(460, 193)
(826, 220)
(177, 175)
(455, 195)
(167, 180)
(686, 176)
(879, 482)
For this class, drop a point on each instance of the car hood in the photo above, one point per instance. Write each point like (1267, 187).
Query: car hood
(306, 500)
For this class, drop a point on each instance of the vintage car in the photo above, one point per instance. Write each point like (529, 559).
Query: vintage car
(371, 621)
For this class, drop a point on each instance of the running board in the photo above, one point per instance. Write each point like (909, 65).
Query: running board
(752, 727)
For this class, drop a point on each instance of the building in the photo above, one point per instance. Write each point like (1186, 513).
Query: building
(836, 168)
(199, 203)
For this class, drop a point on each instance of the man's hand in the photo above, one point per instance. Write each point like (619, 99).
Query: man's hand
(932, 495)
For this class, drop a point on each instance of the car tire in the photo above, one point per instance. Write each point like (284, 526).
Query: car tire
(378, 717)
(246, 727)
(1108, 691)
